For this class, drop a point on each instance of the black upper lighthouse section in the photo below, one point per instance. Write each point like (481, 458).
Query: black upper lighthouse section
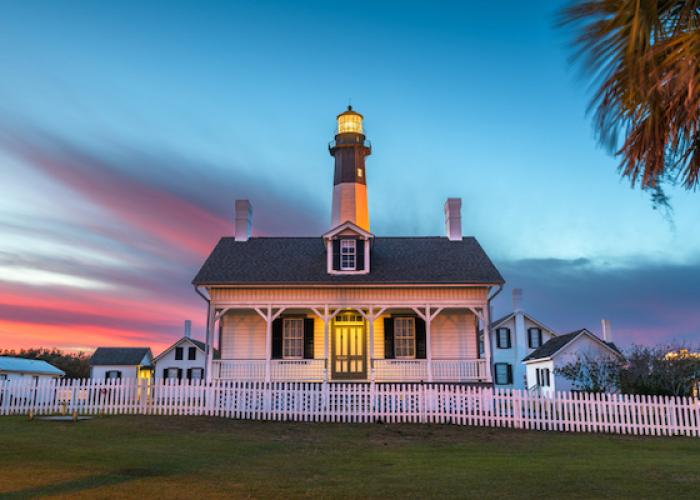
(349, 149)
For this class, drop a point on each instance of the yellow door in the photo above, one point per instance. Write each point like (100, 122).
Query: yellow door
(349, 350)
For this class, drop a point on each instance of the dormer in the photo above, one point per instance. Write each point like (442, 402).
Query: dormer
(348, 249)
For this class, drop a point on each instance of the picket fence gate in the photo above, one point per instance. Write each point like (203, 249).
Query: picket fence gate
(358, 403)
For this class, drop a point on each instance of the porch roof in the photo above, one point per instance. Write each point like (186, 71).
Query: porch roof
(394, 260)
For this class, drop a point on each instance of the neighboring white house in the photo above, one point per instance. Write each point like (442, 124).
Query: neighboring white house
(513, 337)
(14, 369)
(121, 362)
(185, 359)
(559, 351)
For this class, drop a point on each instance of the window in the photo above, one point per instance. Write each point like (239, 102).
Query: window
(359, 172)
(542, 375)
(293, 338)
(405, 338)
(173, 373)
(503, 338)
(534, 337)
(192, 353)
(347, 255)
(113, 374)
(3, 376)
(178, 353)
(196, 373)
(504, 373)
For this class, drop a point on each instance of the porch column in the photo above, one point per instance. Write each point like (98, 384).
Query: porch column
(487, 342)
(326, 342)
(268, 342)
(428, 343)
(371, 318)
(208, 365)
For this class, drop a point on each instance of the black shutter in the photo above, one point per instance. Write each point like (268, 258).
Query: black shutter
(308, 338)
(539, 333)
(179, 373)
(420, 339)
(388, 338)
(189, 374)
(336, 255)
(277, 339)
(165, 373)
(510, 374)
(360, 252)
(508, 344)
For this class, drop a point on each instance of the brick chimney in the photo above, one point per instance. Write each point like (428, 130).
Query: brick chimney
(453, 219)
(244, 220)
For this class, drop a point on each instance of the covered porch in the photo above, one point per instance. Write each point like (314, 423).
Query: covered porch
(348, 342)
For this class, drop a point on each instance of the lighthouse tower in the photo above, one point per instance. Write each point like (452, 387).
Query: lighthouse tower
(350, 182)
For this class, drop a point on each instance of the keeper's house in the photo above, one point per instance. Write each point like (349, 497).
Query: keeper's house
(348, 305)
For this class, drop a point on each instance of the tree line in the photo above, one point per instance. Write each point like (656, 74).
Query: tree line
(75, 365)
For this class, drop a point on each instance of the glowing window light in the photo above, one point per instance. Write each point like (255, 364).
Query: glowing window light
(350, 122)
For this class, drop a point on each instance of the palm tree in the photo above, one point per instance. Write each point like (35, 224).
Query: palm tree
(643, 59)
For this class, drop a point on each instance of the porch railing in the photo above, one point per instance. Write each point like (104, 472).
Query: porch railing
(444, 370)
(386, 370)
(298, 370)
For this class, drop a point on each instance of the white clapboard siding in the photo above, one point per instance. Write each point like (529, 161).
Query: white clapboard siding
(359, 403)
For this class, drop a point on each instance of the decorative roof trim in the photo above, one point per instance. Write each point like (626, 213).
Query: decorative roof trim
(347, 225)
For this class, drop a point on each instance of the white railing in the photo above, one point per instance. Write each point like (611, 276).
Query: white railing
(292, 370)
(400, 370)
(459, 370)
(239, 369)
(416, 370)
(358, 402)
(298, 370)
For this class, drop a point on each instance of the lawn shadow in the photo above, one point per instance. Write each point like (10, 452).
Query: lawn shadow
(84, 483)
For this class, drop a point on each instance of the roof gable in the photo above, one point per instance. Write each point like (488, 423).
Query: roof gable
(183, 340)
(121, 356)
(555, 345)
(345, 227)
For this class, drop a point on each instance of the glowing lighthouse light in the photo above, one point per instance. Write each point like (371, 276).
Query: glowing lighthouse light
(350, 122)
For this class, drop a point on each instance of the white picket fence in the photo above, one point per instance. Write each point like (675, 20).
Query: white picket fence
(358, 402)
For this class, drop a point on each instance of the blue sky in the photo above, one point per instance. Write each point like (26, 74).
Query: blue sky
(118, 118)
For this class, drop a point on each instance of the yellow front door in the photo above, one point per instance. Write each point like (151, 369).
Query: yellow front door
(349, 348)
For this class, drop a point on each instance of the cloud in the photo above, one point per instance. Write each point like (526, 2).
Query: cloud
(127, 229)
(647, 302)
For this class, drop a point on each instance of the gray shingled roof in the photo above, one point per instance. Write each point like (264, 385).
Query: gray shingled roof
(555, 344)
(394, 260)
(118, 355)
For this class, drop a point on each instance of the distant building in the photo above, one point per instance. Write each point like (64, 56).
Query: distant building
(185, 359)
(121, 363)
(513, 337)
(542, 364)
(17, 369)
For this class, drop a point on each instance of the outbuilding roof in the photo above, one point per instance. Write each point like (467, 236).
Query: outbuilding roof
(303, 261)
(24, 365)
(556, 344)
(119, 355)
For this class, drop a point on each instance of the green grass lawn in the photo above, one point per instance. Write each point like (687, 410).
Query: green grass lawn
(162, 457)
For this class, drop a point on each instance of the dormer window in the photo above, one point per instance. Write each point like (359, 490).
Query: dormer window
(348, 255)
(347, 249)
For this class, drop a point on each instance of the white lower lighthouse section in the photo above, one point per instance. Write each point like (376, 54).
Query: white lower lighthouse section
(350, 204)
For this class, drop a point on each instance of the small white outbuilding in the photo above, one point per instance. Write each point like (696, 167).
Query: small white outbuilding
(542, 364)
(22, 369)
(121, 363)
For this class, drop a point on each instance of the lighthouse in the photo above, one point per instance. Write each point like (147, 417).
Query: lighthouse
(350, 180)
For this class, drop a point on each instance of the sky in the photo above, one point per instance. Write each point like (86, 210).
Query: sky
(128, 129)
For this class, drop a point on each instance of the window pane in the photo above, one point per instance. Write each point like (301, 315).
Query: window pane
(347, 254)
(404, 338)
(293, 338)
